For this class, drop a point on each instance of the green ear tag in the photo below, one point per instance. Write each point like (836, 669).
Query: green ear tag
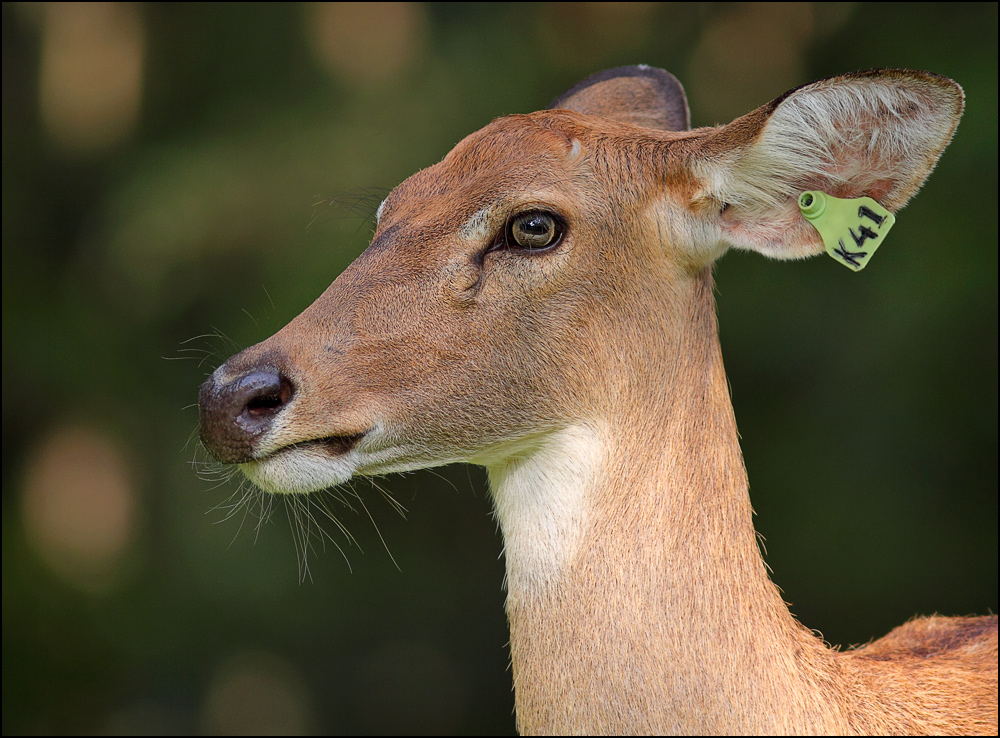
(851, 229)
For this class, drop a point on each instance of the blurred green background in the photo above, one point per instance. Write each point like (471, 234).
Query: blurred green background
(181, 180)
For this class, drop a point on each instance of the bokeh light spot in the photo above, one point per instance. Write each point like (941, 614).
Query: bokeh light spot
(91, 73)
(366, 43)
(255, 693)
(79, 506)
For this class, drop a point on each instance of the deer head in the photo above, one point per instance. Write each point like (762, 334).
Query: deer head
(532, 278)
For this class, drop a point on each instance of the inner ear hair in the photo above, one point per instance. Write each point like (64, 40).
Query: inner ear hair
(876, 134)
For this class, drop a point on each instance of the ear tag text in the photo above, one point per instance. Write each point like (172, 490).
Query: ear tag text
(851, 229)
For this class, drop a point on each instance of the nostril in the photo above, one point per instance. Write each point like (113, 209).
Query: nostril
(264, 393)
(263, 405)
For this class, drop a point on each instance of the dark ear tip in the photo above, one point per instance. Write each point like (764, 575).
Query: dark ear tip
(633, 70)
(670, 91)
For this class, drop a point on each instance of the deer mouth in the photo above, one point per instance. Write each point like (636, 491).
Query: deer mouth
(339, 445)
(329, 445)
(332, 446)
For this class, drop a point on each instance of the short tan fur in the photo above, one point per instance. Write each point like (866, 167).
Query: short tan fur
(580, 364)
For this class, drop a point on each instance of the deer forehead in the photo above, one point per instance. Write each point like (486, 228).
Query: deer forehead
(557, 158)
(493, 168)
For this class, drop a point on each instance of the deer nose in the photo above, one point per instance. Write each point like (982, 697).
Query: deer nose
(236, 412)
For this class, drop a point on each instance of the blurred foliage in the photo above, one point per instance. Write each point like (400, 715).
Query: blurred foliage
(181, 180)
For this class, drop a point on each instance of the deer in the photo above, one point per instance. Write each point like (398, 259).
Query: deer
(541, 303)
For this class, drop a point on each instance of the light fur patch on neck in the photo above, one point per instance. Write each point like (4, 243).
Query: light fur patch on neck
(542, 497)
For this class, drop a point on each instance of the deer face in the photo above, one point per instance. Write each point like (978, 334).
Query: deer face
(467, 327)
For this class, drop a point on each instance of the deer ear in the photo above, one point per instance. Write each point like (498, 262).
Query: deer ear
(640, 95)
(876, 134)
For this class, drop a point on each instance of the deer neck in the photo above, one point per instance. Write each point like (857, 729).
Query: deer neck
(637, 597)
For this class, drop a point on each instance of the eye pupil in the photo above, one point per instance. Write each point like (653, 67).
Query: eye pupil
(535, 225)
(535, 230)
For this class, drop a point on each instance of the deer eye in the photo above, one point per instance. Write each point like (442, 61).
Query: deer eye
(534, 231)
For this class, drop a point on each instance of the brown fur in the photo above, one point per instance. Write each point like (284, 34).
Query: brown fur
(663, 619)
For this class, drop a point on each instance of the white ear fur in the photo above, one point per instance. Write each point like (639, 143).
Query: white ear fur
(876, 134)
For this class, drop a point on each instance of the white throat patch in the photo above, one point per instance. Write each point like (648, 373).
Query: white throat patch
(542, 498)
